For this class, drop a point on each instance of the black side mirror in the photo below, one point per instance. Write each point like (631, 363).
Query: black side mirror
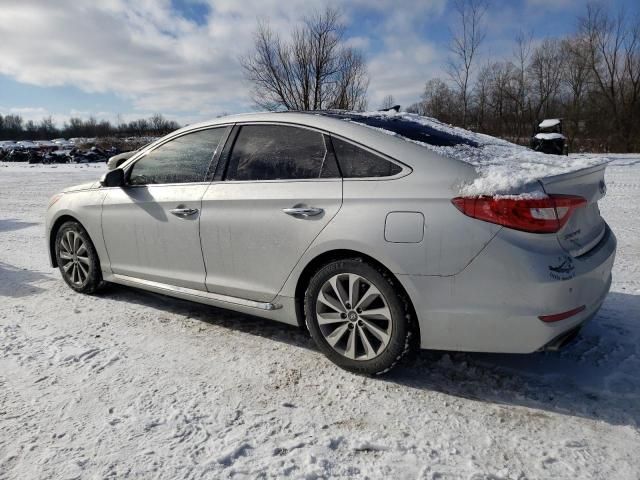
(114, 178)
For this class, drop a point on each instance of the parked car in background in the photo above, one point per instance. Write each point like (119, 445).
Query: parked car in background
(93, 155)
(19, 155)
(58, 156)
(364, 236)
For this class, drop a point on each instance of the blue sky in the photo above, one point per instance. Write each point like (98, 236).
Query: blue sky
(131, 58)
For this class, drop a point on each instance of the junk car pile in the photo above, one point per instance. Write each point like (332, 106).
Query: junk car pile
(54, 151)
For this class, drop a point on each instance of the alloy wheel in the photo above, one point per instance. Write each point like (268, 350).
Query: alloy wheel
(74, 257)
(354, 316)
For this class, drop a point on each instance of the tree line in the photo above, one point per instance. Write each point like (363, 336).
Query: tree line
(13, 127)
(590, 78)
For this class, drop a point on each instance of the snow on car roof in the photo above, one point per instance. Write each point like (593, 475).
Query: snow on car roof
(549, 122)
(503, 167)
(405, 127)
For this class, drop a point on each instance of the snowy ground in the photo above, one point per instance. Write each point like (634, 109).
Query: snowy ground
(132, 384)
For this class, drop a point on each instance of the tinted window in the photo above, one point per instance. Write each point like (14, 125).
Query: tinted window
(406, 128)
(356, 162)
(276, 152)
(183, 160)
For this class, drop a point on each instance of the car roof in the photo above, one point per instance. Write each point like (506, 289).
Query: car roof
(426, 165)
(333, 120)
(405, 127)
(385, 142)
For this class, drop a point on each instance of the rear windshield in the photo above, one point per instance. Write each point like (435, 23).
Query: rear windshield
(406, 128)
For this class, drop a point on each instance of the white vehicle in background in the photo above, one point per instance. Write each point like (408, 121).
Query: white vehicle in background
(27, 145)
(377, 232)
(64, 143)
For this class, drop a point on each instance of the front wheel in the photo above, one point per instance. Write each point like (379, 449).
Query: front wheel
(357, 317)
(77, 258)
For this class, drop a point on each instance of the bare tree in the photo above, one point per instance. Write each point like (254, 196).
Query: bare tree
(439, 101)
(312, 71)
(350, 91)
(500, 99)
(467, 38)
(614, 54)
(481, 92)
(577, 80)
(46, 128)
(387, 102)
(546, 71)
(590, 78)
(519, 85)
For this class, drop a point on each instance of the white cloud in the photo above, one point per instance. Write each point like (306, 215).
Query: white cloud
(406, 60)
(555, 4)
(146, 52)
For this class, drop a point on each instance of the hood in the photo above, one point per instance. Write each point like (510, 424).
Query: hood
(82, 186)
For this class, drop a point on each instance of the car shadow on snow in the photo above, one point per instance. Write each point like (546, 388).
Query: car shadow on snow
(268, 329)
(9, 224)
(16, 282)
(596, 376)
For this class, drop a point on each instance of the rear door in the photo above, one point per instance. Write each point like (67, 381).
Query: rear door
(281, 187)
(151, 226)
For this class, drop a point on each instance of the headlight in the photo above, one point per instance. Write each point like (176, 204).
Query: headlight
(54, 199)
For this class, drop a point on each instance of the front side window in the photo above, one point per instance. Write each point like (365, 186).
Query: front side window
(185, 159)
(280, 152)
(355, 162)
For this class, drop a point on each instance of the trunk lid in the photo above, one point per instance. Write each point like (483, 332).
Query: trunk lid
(585, 228)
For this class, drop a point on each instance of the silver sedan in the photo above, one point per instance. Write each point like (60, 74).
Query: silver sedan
(328, 221)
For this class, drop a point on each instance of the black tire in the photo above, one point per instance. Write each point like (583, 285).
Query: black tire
(400, 342)
(93, 278)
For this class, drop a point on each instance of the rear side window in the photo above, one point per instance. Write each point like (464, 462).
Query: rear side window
(280, 152)
(183, 160)
(356, 162)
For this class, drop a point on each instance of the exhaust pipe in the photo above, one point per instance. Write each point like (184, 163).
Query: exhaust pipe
(562, 340)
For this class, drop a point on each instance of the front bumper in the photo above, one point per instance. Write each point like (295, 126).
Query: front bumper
(494, 304)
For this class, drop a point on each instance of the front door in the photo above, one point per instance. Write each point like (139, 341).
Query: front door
(282, 187)
(151, 226)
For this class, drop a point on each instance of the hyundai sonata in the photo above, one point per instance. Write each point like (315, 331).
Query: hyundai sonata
(378, 233)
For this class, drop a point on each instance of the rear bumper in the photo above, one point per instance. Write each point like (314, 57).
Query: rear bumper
(494, 304)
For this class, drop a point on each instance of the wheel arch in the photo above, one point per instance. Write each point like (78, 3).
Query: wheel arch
(61, 220)
(324, 258)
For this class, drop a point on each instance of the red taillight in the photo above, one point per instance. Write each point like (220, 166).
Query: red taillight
(536, 215)
(561, 316)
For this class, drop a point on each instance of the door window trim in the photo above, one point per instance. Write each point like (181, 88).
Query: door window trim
(223, 163)
(405, 169)
(215, 157)
(221, 173)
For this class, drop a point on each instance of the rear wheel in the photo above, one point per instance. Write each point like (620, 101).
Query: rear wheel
(357, 317)
(77, 258)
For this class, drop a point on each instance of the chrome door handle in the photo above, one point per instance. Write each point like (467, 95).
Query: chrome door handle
(183, 212)
(303, 211)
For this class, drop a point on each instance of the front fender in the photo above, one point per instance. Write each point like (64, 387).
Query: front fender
(85, 207)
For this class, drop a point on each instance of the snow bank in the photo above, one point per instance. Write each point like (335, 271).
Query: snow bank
(503, 167)
(130, 384)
